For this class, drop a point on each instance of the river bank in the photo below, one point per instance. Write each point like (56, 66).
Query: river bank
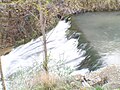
(107, 78)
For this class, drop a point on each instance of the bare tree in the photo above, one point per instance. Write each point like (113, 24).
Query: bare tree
(42, 21)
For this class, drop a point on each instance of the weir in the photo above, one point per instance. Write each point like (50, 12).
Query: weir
(59, 49)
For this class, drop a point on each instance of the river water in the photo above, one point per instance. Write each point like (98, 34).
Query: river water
(101, 30)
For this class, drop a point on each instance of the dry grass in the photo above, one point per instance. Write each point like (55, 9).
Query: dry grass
(44, 79)
(94, 5)
(49, 80)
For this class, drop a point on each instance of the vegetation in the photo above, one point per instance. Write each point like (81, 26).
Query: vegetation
(34, 78)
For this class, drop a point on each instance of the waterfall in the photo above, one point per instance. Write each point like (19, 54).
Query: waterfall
(59, 47)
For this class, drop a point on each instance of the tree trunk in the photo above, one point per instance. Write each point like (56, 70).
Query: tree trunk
(2, 76)
(42, 21)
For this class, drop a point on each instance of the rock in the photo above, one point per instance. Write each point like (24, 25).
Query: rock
(111, 86)
(79, 74)
(94, 78)
(73, 84)
(78, 77)
(104, 75)
(112, 73)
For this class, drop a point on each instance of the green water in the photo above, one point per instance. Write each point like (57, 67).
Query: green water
(101, 32)
(102, 29)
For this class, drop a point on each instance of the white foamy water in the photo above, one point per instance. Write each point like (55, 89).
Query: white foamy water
(111, 58)
(58, 48)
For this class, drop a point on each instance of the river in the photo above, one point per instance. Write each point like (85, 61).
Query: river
(101, 30)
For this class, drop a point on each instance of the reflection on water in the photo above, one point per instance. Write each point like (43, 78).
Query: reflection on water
(101, 30)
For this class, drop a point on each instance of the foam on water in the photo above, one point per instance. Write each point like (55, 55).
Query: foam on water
(58, 48)
(112, 58)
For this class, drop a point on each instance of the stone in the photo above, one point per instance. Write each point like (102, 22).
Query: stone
(111, 85)
(104, 75)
